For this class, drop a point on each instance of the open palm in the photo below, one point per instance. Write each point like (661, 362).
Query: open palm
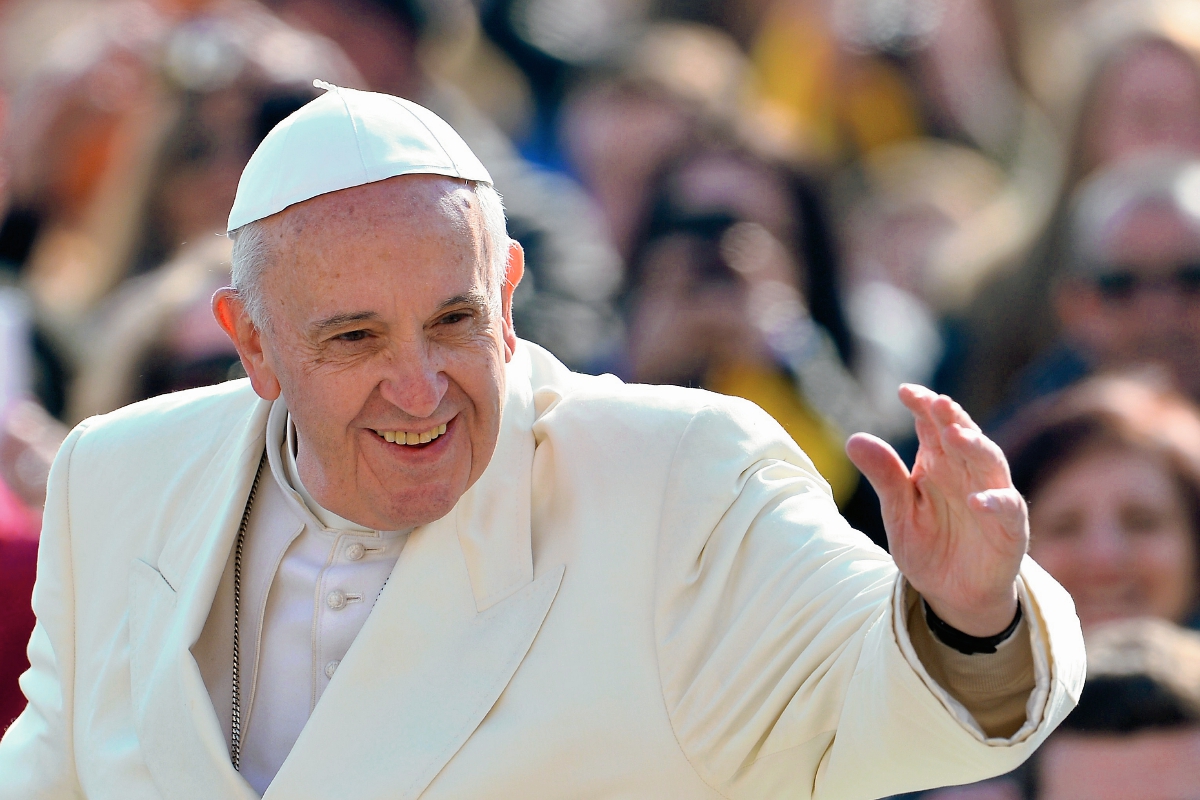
(956, 527)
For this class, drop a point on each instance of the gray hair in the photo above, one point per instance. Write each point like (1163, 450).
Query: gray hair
(1103, 201)
(251, 253)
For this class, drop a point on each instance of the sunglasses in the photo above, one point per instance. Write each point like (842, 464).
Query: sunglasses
(1123, 283)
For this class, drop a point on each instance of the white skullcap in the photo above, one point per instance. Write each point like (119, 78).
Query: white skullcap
(347, 138)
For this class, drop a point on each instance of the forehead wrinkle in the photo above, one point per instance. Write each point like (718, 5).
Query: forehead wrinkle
(317, 228)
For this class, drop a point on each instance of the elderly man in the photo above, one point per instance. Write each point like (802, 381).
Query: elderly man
(1129, 290)
(421, 558)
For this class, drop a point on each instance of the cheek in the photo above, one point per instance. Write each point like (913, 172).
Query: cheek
(1060, 557)
(1167, 564)
(326, 400)
(482, 381)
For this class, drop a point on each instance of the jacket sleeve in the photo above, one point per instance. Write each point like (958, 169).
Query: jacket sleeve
(785, 664)
(37, 758)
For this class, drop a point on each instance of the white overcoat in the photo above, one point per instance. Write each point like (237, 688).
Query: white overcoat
(649, 593)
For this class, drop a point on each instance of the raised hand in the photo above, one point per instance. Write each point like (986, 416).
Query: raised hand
(956, 526)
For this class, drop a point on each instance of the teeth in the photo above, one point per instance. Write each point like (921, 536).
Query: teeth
(407, 437)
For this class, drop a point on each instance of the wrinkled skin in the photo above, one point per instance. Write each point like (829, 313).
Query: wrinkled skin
(383, 315)
(956, 526)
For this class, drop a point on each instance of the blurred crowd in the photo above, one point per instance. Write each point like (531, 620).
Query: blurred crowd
(800, 202)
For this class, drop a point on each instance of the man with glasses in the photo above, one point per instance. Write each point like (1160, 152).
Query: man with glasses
(1130, 294)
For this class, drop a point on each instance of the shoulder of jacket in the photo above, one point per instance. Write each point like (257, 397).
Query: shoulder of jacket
(607, 400)
(195, 415)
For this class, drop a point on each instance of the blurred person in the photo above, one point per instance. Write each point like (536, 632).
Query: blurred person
(1128, 290)
(922, 223)
(1134, 734)
(1134, 89)
(130, 137)
(1111, 471)
(730, 291)
(18, 568)
(566, 302)
(1136, 731)
(28, 440)
(82, 126)
(675, 85)
(848, 76)
(157, 334)
(1145, 96)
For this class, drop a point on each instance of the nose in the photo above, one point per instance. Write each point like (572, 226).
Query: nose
(415, 382)
(1104, 547)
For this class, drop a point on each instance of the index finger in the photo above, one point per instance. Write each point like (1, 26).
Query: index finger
(948, 412)
(917, 399)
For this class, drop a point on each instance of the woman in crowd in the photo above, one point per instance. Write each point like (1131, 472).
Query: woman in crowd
(1111, 470)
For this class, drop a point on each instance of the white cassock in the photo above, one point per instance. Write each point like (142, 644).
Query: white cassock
(648, 593)
(310, 579)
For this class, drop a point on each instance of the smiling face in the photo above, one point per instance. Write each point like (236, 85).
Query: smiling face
(1112, 527)
(384, 319)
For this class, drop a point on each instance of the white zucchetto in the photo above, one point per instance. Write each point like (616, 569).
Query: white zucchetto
(347, 138)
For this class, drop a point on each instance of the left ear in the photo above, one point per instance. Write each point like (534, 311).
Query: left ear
(513, 271)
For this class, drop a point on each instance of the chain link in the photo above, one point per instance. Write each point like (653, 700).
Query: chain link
(235, 735)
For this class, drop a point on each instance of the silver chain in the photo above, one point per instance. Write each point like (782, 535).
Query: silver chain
(235, 734)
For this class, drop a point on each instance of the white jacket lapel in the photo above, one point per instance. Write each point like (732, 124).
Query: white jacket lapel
(169, 602)
(449, 631)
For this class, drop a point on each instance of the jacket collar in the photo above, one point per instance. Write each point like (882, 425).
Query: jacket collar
(492, 519)
(169, 602)
(461, 609)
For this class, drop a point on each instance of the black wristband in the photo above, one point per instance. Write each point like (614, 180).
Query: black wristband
(964, 643)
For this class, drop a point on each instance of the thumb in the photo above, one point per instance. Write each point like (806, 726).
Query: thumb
(885, 470)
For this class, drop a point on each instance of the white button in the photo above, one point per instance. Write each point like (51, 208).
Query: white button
(331, 668)
(355, 551)
(336, 599)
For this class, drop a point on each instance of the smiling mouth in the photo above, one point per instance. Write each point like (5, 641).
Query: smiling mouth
(410, 438)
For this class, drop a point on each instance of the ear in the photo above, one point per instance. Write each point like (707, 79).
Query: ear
(232, 317)
(513, 271)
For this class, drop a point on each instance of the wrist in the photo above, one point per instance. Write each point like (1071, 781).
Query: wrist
(982, 620)
(964, 643)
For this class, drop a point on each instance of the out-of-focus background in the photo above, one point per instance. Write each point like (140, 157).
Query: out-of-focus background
(800, 202)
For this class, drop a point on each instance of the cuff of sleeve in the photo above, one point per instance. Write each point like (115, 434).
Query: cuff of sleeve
(905, 600)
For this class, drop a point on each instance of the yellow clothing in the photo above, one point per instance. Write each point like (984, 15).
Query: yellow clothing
(832, 103)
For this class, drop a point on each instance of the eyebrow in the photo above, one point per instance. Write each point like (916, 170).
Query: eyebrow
(338, 320)
(472, 298)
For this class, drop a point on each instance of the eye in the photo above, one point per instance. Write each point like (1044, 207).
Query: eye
(1141, 519)
(1062, 526)
(455, 317)
(352, 336)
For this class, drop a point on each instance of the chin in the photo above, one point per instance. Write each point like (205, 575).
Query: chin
(429, 505)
